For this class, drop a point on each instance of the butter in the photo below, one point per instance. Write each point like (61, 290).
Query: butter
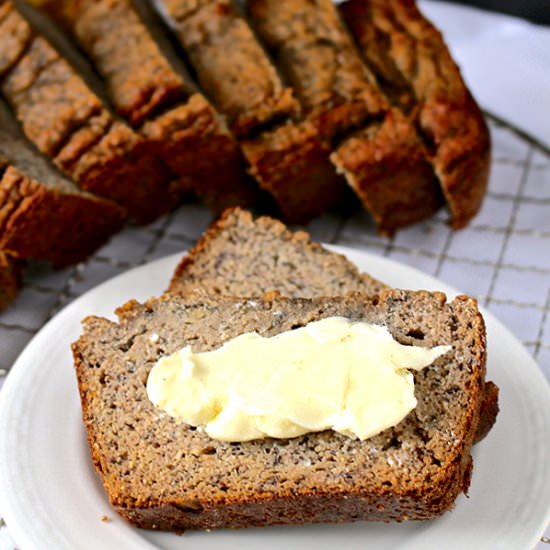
(351, 377)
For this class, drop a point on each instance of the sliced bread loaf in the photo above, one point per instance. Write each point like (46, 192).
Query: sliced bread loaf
(163, 474)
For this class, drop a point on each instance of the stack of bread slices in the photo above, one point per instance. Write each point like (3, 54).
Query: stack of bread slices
(162, 473)
(292, 106)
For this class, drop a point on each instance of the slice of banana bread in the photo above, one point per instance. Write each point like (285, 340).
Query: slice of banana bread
(417, 72)
(230, 63)
(10, 279)
(243, 256)
(163, 474)
(314, 51)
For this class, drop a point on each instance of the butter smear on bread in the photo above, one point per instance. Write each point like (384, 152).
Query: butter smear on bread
(348, 376)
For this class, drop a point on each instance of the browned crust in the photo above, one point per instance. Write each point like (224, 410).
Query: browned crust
(291, 162)
(414, 65)
(489, 410)
(10, 279)
(387, 167)
(193, 143)
(230, 63)
(47, 224)
(68, 123)
(299, 509)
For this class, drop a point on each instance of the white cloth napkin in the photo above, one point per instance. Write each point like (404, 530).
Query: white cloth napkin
(505, 62)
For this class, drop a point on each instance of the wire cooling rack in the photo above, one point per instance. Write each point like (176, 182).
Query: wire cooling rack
(502, 258)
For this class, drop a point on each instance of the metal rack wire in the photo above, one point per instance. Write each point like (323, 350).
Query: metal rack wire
(502, 258)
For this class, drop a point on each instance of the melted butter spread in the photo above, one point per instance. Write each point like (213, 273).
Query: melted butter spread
(351, 377)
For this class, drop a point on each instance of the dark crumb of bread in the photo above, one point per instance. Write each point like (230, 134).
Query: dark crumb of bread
(159, 473)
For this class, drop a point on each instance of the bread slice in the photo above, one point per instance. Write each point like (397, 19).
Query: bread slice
(243, 256)
(160, 473)
(10, 279)
(414, 66)
(70, 125)
(160, 102)
(231, 65)
(317, 56)
(43, 215)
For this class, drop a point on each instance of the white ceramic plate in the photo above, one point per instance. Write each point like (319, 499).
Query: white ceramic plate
(52, 499)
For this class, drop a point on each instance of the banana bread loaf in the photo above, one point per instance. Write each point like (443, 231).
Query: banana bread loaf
(160, 473)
